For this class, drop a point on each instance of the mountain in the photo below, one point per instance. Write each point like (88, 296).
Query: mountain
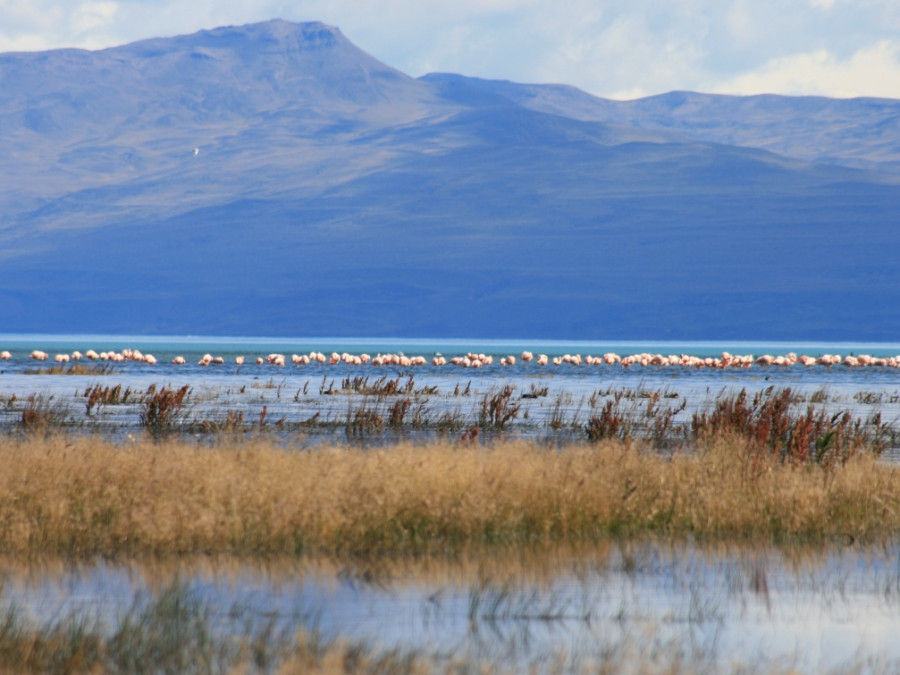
(860, 133)
(274, 179)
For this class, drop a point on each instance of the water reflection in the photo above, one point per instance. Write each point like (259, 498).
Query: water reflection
(710, 608)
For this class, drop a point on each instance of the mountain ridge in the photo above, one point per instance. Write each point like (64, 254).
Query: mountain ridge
(276, 179)
(708, 116)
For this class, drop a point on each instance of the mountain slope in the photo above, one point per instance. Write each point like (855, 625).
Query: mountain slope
(333, 195)
(860, 133)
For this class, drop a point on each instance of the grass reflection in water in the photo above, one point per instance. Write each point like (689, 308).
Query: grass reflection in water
(639, 606)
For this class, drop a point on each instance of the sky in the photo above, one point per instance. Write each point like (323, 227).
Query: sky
(620, 49)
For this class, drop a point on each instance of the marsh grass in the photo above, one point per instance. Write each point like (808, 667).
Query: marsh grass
(99, 397)
(74, 369)
(536, 392)
(85, 497)
(650, 417)
(163, 409)
(768, 424)
(365, 419)
(43, 414)
(497, 409)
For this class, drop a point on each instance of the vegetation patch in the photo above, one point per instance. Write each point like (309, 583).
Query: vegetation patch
(84, 496)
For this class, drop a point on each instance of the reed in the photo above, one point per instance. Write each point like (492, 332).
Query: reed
(83, 497)
(497, 410)
(43, 414)
(99, 396)
(162, 409)
(768, 423)
(74, 369)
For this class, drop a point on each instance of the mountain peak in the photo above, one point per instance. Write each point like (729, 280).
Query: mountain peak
(312, 35)
(255, 40)
(302, 63)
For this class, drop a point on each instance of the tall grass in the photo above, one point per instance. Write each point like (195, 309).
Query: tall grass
(43, 414)
(769, 425)
(390, 410)
(85, 497)
(163, 409)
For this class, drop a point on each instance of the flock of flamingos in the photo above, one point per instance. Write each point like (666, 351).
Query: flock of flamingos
(477, 360)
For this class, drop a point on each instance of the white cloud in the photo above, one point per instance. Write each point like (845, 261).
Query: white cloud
(91, 15)
(609, 48)
(871, 71)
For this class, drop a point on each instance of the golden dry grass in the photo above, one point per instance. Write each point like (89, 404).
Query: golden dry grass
(85, 496)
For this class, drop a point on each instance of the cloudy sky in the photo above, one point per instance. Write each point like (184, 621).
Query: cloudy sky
(614, 48)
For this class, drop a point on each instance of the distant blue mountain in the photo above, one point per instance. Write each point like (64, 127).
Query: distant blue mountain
(273, 179)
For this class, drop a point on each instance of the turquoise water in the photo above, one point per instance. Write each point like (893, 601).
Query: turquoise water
(24, 343)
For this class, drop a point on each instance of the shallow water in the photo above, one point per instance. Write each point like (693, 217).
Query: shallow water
(814, 610)
(713, 608)
(294, 394)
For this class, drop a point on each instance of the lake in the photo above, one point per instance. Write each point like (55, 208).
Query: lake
(314, 402)
(713, 609)
(620, 604)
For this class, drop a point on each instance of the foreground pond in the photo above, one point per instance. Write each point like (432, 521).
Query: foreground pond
(631, 606)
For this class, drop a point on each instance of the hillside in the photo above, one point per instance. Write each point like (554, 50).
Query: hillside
(330, 194)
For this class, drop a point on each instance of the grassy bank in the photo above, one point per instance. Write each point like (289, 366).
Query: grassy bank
(84, 497)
